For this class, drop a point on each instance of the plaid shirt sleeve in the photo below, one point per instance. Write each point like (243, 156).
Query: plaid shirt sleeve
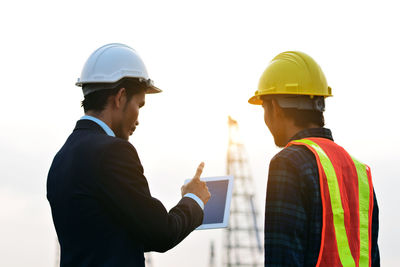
(376, 260)
(286, 213)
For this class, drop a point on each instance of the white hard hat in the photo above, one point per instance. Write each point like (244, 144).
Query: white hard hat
(112, 62)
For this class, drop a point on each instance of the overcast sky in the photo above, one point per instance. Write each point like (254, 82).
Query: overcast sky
(207, 56)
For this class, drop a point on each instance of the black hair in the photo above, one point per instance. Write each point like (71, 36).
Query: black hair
(97, 100)
(301, 118)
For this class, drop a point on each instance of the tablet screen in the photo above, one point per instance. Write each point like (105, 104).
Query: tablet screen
(214, 210)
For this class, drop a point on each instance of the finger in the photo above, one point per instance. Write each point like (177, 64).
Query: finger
(199, 171)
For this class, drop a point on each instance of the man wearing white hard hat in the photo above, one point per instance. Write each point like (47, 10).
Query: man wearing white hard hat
(102, 208)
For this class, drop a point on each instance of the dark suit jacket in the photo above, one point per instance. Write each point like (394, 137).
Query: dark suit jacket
(102, 208)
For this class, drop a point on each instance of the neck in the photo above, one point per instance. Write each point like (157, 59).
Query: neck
(292, 130)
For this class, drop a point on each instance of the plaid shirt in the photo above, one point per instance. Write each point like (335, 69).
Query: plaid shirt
(293, 210)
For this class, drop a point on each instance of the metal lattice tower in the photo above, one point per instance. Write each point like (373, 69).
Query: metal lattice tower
(243, 245)
(148, 259)
(212, 255)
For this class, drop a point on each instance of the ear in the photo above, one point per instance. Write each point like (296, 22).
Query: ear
(120, 98)
(277, 109)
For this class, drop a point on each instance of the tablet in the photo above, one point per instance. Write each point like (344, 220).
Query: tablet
(217, 209)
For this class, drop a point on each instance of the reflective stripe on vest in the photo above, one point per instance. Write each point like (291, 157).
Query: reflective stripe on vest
(342, 224)
(364, 196)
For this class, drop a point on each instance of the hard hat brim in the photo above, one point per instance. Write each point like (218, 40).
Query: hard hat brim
(153, 90)
(255, 100)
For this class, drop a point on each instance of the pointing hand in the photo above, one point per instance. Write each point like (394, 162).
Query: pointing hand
(196, 186)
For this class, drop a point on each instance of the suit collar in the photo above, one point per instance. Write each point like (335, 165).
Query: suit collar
(101, 123)
(88, 125)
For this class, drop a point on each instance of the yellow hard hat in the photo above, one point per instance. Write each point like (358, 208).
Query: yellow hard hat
(292, 73)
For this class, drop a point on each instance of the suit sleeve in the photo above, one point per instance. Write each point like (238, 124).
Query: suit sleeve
(126, 193)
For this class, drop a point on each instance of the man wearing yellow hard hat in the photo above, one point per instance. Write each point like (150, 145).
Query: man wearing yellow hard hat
(321, 208)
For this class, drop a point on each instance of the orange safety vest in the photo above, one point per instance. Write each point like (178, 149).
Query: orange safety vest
(347, 203)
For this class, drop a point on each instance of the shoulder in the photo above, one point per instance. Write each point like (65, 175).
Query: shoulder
(294, 156)
(294, 164)
(98, 145)
(118, 149)
(112, 143)
(119, 164)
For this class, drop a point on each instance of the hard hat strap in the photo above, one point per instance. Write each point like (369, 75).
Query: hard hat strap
(148, 82)
(316, 103)
(94, 87)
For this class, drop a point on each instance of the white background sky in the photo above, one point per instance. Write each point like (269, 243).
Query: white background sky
(207, 56)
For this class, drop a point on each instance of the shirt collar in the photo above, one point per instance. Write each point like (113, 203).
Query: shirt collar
(101, 123)
(313, 132)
